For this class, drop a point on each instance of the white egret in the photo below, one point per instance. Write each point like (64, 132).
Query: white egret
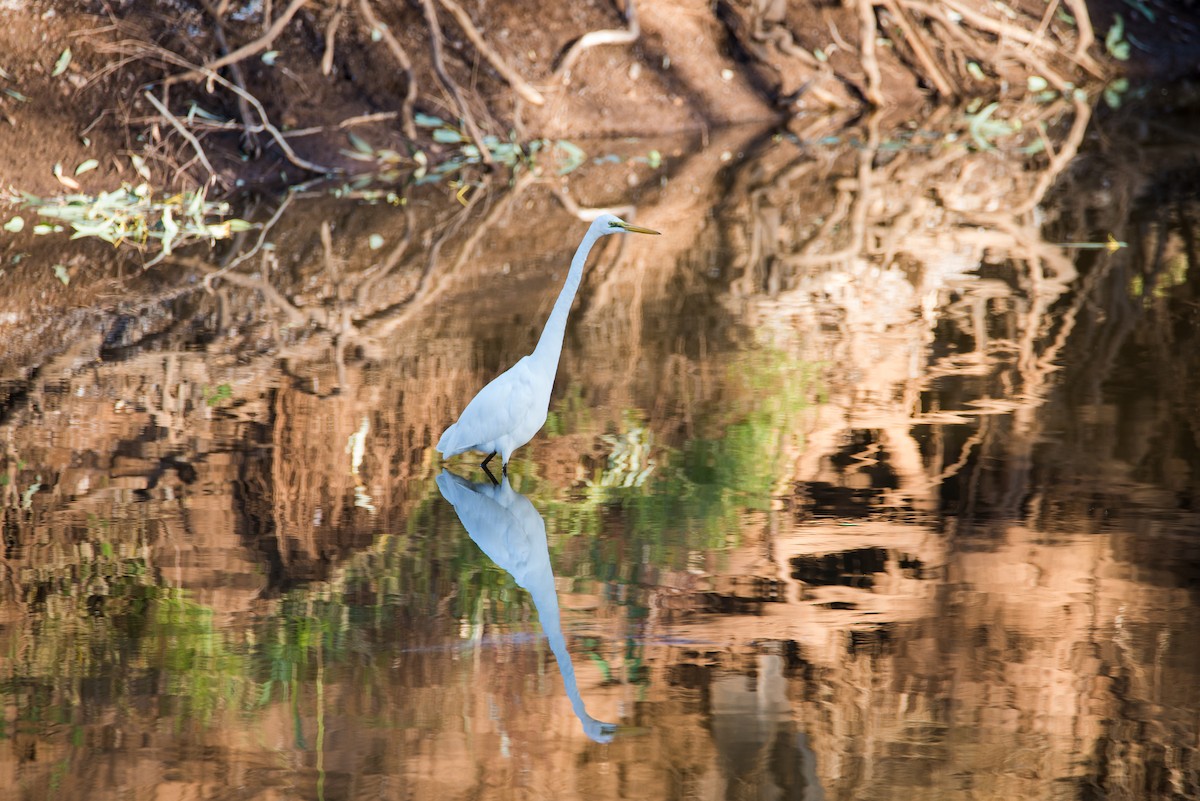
(512, 407)
(508, 528)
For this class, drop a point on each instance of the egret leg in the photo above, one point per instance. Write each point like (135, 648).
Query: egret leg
(484, 463)
(489, 474)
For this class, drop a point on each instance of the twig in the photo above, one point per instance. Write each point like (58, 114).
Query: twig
(331, 38)
(514, 79)
(249, 140)
(401, 56)
(870, 65)
(185, 133)
(173, 58)
(1083, 23)
(439, 67)
(941, 82)
(257, 46)
(262, 238)
(596, 38)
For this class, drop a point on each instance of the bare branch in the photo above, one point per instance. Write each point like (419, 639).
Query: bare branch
(514, 79)
(401, 56)
(439, 67)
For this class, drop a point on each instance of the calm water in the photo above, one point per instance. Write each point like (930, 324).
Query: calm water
(856, 485)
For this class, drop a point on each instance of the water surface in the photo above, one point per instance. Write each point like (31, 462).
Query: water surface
(856, 484)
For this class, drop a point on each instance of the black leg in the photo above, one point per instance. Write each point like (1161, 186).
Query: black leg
(489, 474)
(484, 463)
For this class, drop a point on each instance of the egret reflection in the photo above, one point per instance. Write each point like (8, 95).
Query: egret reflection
(509, 529)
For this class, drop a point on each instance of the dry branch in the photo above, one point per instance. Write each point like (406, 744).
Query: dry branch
(596, 38)
(401, 56)
(439, 67)
(916, 41)
(867, 34)
(514, 79)
(259, 45)
(331, 38)
(188, 135)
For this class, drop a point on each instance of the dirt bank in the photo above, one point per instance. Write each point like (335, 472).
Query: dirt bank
(209, 92)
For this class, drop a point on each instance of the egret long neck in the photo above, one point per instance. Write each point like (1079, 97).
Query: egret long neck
(549, 347)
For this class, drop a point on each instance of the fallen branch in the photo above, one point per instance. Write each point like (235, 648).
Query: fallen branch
(439, 67)
(331, 38)
(941, 82)
(249, 140)
(514, 79)
(597, 38)
(259, 45)
(401, 56)
(262, 238)
(867, 34)
(188, 135)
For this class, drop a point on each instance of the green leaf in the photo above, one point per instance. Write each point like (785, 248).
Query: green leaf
(15, 224)
(654, 159)
(61, 273)
(1113, 92)
(375, 241)
(447, 136)
(1036, 83)
(269, 57)
(60, 66)
(428, 121)
(360, 144)
(1114, 41)
(87, 166)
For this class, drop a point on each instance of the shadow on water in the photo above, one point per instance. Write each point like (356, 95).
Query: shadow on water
(875, 476)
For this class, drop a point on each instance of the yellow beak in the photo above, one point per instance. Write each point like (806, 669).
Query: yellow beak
(633, 229)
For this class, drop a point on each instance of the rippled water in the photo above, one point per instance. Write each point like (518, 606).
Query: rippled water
(856, 484)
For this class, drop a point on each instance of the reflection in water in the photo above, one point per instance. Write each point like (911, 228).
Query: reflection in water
(859, 485)
(509, 529)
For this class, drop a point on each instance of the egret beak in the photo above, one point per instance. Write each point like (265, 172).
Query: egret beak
(633, 229)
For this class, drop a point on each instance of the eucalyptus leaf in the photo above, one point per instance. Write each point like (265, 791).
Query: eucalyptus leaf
(62, 274)
(87, 166)
(360, 144)
(428, 121)
(15, 225)
(447, 136)
(60, 66)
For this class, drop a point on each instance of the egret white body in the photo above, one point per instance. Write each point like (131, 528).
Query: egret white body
(512, 408)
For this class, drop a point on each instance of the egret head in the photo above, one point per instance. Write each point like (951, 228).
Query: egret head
(612, 224)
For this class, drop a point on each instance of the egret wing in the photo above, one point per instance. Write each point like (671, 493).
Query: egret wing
(498, 409)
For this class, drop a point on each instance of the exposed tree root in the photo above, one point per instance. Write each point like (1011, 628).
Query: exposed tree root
(514, 79)
(401, 55)
(439, 68)
(591, 39)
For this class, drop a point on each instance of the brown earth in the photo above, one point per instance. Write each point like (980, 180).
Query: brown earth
(692, 66)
